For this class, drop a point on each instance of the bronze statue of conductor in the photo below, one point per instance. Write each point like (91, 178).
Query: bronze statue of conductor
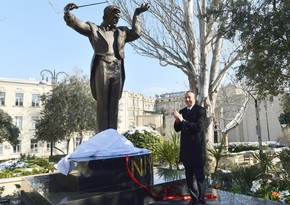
(107, 65)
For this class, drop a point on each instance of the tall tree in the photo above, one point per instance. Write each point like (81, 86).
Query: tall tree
(285, 102)
(264, 29)
(8, 131)
(231, 110)
(189, 36)
(185, 35)
(68, 109)
(284, 118)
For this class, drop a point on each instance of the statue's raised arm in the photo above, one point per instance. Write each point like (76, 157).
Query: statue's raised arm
(142, 8)
(107, 66)
(70, 7)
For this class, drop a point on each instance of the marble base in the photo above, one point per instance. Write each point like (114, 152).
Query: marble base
(106, 173)
(95, 180)
(134, 196)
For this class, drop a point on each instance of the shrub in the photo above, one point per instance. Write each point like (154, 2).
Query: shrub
(242, 147)
(243, 177)
(25, 166)
(167, 152)
(144, 137)
(239, 180)
(285, 159)
(271, 186)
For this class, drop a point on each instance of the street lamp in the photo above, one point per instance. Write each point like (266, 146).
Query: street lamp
(267, 121)
(54, 75)
(54, 80)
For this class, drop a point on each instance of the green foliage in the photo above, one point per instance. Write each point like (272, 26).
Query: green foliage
(270, 186)
(55, 158)
(238, 180)
(233, 147)
(167, 152)
(8, 131)
(6, 173)
(69, 109)
(218, 152)
(265, 161)
(285, 159)
(244, 176)
(285, 102)
(263, 29)
(144, 137)
(266, 46)
(284, 118)
(263, 180)
(27, 165)
(170, 174)
(221, 180)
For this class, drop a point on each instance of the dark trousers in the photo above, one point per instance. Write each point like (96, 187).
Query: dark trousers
(195, 179)
(108, 88)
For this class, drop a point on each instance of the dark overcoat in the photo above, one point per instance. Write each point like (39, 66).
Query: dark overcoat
(192, 140)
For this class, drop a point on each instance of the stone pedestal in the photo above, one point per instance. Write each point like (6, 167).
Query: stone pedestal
(96, 180)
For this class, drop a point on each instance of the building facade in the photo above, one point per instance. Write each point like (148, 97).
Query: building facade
(21, 100)
(229, 101)
(136, 110)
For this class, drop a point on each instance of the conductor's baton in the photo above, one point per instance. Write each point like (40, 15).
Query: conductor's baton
(85, 5)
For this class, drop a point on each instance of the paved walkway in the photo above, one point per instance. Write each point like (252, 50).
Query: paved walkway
(223, 198)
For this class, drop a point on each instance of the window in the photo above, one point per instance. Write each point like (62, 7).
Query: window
(131, 102)
(19, 99)
(48, 148)
(34, 120)
(35, 100)
(18, 122)
(131, 113)
(77, 142)
(33, 145)
(17, 148)
(2, 98)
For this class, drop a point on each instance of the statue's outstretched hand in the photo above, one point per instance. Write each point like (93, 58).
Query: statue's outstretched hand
(70, 7)
(142, 8)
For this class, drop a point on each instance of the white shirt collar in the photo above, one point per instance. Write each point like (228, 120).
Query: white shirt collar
(190, 107)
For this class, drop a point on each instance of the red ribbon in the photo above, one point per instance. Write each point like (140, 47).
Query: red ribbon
(210, 196)
(133, 178)
(166, 191)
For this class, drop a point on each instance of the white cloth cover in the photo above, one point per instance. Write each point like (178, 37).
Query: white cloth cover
(105, 144)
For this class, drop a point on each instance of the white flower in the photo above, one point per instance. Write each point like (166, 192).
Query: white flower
(142, 129)
(256, 185)
(284, 194)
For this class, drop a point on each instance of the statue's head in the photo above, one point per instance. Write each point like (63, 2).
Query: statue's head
(112, 15)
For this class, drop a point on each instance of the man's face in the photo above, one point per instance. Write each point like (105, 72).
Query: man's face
(114, 17)
(189, 99)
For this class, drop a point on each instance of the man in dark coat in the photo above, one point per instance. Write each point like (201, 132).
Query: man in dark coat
(107, 66)
(191, 121)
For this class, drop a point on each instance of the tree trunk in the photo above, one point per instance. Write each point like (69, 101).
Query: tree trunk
(184, 35)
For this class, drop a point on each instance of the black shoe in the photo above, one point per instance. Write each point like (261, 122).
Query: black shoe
(196, 202)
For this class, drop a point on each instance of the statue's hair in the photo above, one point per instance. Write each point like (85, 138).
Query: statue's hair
(108, 10)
